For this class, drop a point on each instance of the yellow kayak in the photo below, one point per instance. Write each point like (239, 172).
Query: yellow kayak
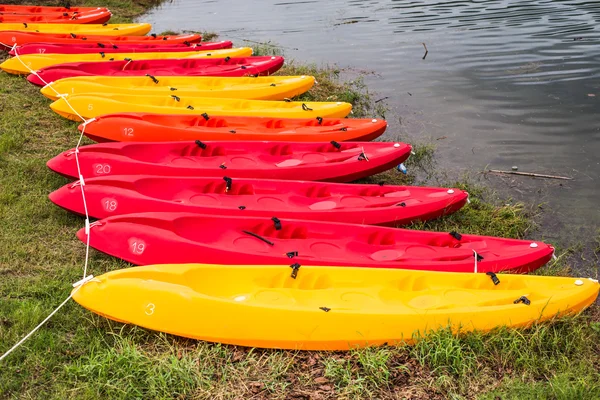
(93, 105)
(324, 308)
(39, 61)
(256, 88)
(80, 29)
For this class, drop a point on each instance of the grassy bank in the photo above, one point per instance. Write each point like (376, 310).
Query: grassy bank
(80, 355)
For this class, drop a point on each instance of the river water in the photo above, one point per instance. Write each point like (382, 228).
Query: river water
(505, 82)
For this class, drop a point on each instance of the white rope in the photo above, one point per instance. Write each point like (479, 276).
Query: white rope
(85, 278)
(20, 342)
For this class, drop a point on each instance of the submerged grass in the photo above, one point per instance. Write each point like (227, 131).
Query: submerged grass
(81, 355)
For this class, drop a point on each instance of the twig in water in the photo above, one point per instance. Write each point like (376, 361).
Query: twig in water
(495, 171)
(382, 99)
(426, 51)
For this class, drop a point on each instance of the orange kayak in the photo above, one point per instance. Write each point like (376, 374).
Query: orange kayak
(99, 16)
(9, 38)
(145, 127)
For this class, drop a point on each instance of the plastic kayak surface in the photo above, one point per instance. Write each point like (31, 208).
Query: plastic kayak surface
(93, 105)
(38, 61)
(99, 16)
(10, 38)
(80, 29)
(252, 88)
(143, 127)
(94, 48)
(324, 308)
(228, 66)
(27, 9)
(180, 237)
(339, 162)
(321, 201)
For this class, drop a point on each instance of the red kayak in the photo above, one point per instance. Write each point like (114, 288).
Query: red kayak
(336, 162)
(18, 9)
(142, 127)
(43, 48)
(10, 38)
(180, 238)
(321, 201)
(237, 66)
(99, 16)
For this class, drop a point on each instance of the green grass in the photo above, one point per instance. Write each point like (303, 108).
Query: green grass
(82, 356)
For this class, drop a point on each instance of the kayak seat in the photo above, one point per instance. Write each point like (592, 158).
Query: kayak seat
(209, 151)
(315, 122)
(210, 123)
(318, 191)
(381, 238)
(444, 242)
(190, 64)
(371, 192)
(220, 187)
(329, 148)
(267, 229)
(275, 124)
(138, 66)
(281, 150)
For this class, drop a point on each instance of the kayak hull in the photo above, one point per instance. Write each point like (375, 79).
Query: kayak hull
(324, 308)
(144, 127)
(251, 88)
(93, 105)
(179, 238)
(260, 160)
(80, 29)
(349, 203)
(39, 61)
(49, 48)
(234, 66)
(99, 16)
(10, 38)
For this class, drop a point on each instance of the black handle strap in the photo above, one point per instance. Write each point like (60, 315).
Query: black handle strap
(455, 235)
(295, 267)
(277, 223)
(200, 144)
(153, 79)
(336, 144)
(267, 241)
(228, 183)
(524, 300)
(494, 277)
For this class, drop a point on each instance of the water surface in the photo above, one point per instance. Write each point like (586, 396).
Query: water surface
(504, 83)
